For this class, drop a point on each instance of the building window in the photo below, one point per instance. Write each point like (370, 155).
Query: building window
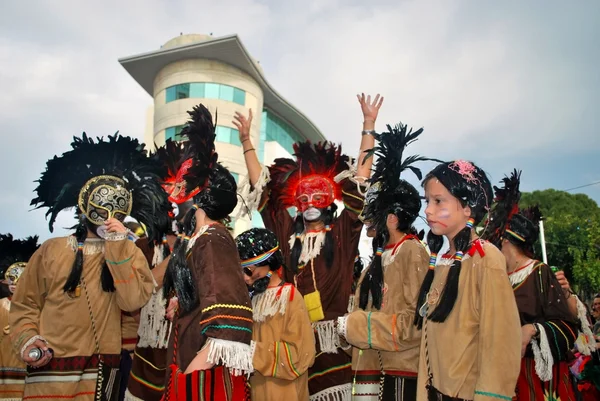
(205, 90)
(228, 135)
(279, 131)
(223, 134)
(173, 133)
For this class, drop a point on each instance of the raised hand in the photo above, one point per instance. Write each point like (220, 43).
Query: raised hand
(243, 125)
(370, 109)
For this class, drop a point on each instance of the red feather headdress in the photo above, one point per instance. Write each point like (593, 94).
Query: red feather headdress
(322, 159)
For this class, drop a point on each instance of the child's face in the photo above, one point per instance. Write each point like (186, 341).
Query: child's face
(445, 215)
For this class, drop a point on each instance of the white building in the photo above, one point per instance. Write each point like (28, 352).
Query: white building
(221, 74)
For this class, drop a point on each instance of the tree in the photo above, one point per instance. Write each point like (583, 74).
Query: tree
(572, 230)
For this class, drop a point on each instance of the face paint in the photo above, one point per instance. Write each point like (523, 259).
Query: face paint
(314, 192)
(311, 214)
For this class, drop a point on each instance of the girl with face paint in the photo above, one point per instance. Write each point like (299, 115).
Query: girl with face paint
(470, 347)
(282, 332)
(318, 245)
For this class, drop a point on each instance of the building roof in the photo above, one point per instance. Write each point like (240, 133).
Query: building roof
(228, 49)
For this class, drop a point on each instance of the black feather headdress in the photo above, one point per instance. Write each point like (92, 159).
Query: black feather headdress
(121, 157)
(389, 194)
(506, 205)
(212, 188)
(15, 251)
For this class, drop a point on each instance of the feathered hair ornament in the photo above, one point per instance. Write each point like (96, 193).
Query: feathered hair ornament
(389, 194)
(212, 188)
(506, 205)
(323, 160)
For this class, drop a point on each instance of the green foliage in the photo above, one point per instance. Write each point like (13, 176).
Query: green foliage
(572, 230)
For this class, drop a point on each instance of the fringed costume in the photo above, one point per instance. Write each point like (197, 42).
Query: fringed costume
(14, 255)
(204, 273)
(544, 371)
(74, 288)
(385, 342)
(282, 332)
(323, 261)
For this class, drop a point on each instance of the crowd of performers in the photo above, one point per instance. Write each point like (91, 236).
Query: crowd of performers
(173, 307)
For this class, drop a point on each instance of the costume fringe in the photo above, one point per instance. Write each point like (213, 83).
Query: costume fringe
(521, 275)
(542, 355)
(155, 329)
(91, 246)
(252, 195)
(362, 183)
(312, 243)
(329, 340)
(236, 356)
(11, 399)
(131, 397)
(158, 255)
(343, 392)
(270, 302)
(342, 328)
(586, 342)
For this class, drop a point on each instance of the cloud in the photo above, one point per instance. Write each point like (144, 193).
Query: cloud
(508, 85)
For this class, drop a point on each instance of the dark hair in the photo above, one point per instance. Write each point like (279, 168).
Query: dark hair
(328, 215)
(217, 201)
(470, 185)
(106, 278)
(405, 204)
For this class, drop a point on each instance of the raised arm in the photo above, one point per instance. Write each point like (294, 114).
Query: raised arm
(370, 110)
(243, 125)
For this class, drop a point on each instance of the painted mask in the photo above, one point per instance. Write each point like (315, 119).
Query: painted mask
(314, 191)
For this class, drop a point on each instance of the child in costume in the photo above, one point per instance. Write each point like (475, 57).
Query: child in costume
(471, 341)
(548, 327)
(70, 297)
(209, 347)
(318, 245)
(282, 333)
(14, 255)
(385, 355)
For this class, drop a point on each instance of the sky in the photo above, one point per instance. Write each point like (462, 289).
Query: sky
(508, 84)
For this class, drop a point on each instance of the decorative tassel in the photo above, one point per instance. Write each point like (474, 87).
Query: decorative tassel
(312, 243)
(158, 255)
(343, 392)
(236, 356)
(155, 329)
(329, 340)
(518, 277)
(542, 355)
(270, 302)
(586, 342)
(252, 196)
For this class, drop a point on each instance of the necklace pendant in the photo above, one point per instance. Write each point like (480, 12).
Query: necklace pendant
(423, 309)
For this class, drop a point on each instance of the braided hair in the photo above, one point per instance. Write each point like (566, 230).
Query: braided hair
(470, 185)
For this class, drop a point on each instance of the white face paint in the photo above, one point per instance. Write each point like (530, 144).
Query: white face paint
(311, 214)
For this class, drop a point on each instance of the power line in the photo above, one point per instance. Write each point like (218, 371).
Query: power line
(582, 186)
